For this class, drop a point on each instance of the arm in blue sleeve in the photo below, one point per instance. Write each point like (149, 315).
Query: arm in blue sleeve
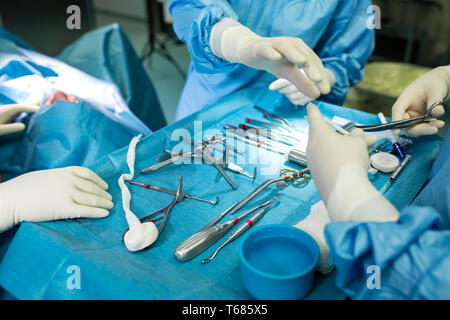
(346, 47)
(412, 254)
(193, 21)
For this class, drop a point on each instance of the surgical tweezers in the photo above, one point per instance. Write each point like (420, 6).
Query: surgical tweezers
(394, 124)
(279, 119)
(166, 210)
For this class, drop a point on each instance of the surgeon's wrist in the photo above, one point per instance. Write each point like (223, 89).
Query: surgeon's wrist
(352, 188)
(228, 37)
(6, 220)
(331, 76)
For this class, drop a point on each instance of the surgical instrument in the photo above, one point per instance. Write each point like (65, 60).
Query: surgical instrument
(395, 124)
(205, 238)
(298, 157)
(336, 127)
(397, 148)
(263, 123)
(239, 231)
(241, 138)
(269, 134)
(234, 167)
(172, 159)
(211, 158)
(254, 140)
(212, 146)
(395, 174)
(286, 175)
(203, 149)
(284, 121)
(166, 210)
(293, 155)
(169, 191)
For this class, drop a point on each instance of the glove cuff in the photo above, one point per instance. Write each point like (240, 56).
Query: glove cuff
(314, 224)
(351, 190)
(6, 219)
(228, 37)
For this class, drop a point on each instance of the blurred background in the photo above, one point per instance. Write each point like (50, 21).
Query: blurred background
(414, 37)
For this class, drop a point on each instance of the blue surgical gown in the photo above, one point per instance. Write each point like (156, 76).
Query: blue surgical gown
(412, 254)
(336, 30)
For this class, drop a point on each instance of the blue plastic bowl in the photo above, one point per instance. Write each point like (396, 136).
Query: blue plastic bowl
(278, 262)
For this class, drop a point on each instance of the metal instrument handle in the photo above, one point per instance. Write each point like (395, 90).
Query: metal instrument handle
(166, 162)
(200, 241)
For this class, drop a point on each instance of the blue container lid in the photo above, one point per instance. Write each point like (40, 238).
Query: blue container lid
(280, 252)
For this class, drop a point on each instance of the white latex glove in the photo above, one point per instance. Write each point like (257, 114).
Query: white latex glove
(294, 95)
(415, 100)
(9, 112)
(339, 166)
(71, 192)
(314, 224)
(280, 56)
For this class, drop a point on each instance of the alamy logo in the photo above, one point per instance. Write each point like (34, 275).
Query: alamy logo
(374, 21)
(74, 20)
(374, 280)
(73, 282)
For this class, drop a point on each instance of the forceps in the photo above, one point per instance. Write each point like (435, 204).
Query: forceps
(239, 231)
(286, 175)
(183, 195)
(200, 148)
(395, 124)
(166, 210)
(279, 119)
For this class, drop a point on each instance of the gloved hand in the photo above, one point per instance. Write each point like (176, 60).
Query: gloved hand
(294, 95)
(314, 224)
(280, 56)
(415, 100)
(45, 195)
(339, 166)
(9, 112)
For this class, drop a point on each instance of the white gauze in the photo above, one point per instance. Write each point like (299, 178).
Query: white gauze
(139, 235)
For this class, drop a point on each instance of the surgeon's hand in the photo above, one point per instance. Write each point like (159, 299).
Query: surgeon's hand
(281, 56)
(339, 166)
(9, 112)
(294, 95)
(415, 100)
(71, 192)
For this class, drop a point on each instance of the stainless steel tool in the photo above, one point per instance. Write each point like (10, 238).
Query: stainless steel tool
(169, 191)
(164, 211)
(198, 149)
(205, 238)
(395, 124)
(286, 175)
(239, 231)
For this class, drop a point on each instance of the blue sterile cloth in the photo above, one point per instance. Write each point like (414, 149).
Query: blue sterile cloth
(38, 260)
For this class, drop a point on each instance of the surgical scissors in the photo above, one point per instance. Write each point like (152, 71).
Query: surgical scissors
(395, 124)
(166, 210)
